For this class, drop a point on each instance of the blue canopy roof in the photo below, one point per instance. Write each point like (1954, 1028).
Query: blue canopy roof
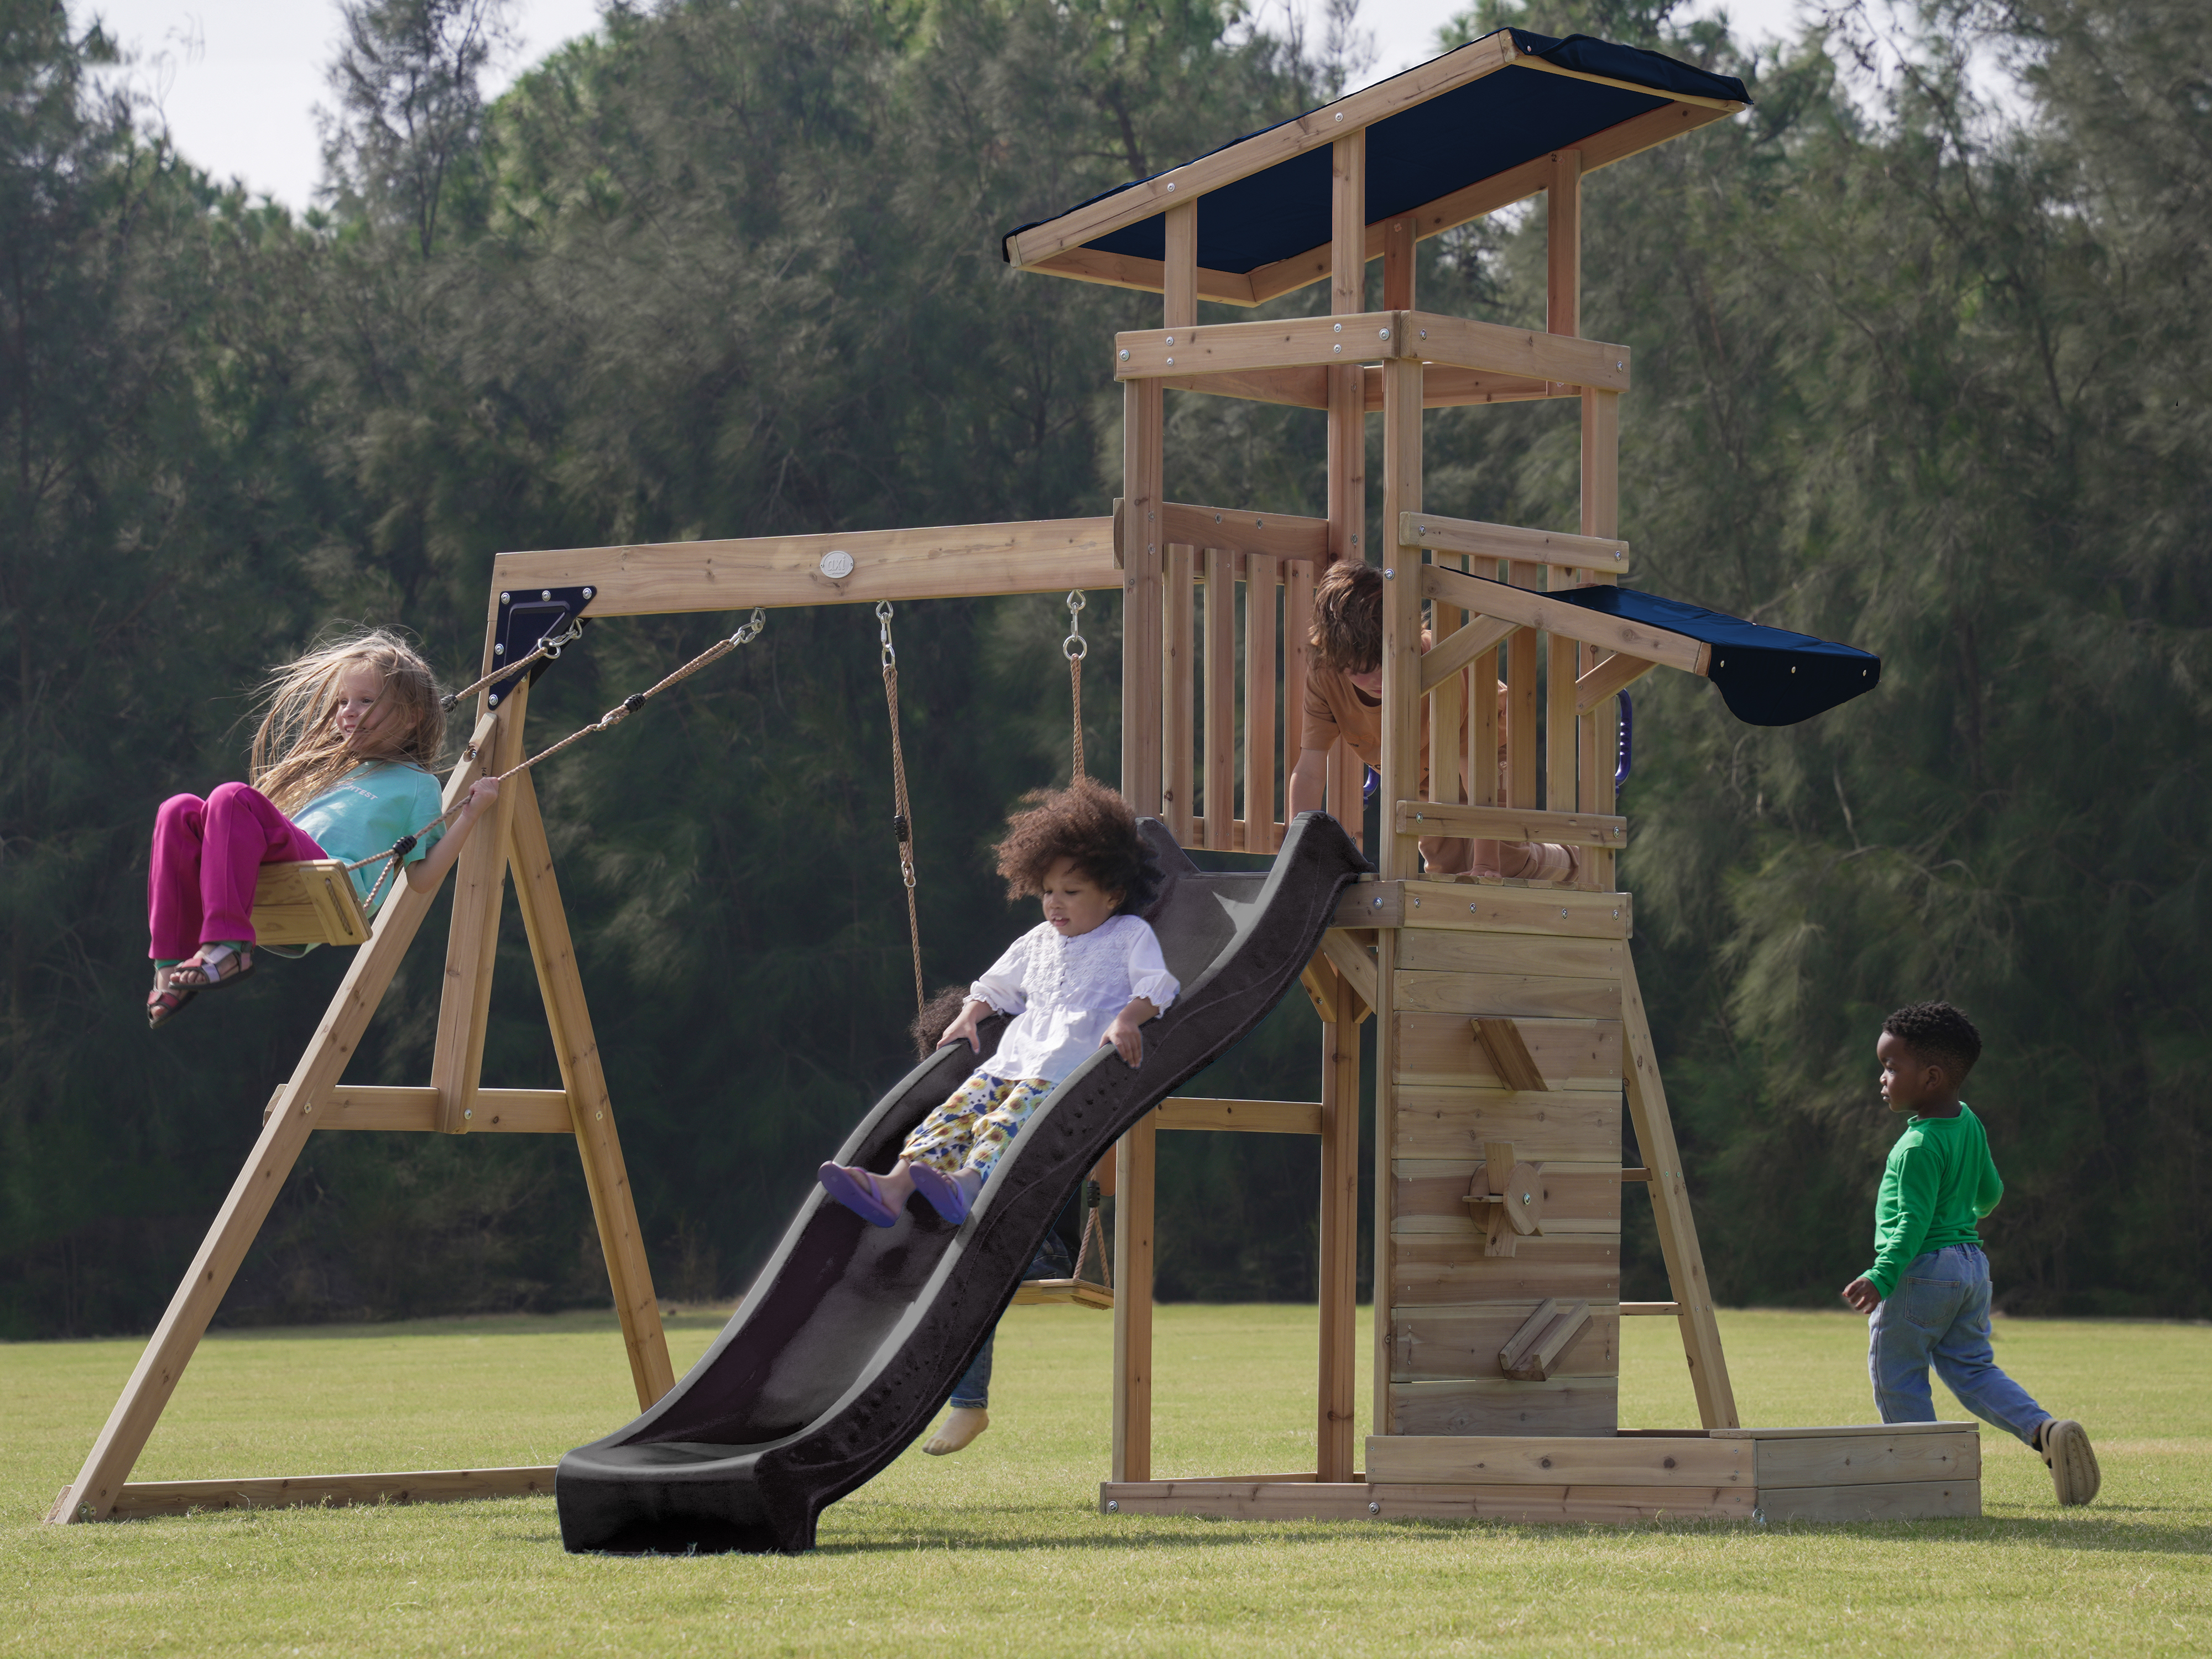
(1428, 151)
(1769, 676)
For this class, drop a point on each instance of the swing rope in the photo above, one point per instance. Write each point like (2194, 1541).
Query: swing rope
(622, 711)
(1075, 649)
(1093, 1227)
(902, 808)
(549, 648)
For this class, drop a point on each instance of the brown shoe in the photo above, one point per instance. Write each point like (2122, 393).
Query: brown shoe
(2067, 1453)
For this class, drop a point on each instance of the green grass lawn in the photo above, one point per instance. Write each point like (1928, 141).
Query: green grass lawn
(1000, 1549)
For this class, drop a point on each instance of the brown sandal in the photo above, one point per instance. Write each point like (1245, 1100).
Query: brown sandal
(228, 966)
(166, 999)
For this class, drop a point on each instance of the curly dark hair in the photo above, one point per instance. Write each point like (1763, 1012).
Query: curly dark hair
(1348, 617)
(1937, 1031)
(928, 1028)
(1086, 822)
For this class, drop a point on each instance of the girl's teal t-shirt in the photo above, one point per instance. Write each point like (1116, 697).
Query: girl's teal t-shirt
(367, 809)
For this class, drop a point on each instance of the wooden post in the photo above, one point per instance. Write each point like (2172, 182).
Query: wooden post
(1386, 1103)
(1297, 622)
(1600, 516)
(1482, 730)
(292, 1115)
(538, 896)
(1179, 692)
(1398, 264)
(1336, 1449)
(1133, 1303)
(1401, 613)
(1143, 602)
(1521, 700)
(472, 943)
(1220, 698)
(1262, 576)
(1563, 250)
(1670, 1209)
(1348, 422)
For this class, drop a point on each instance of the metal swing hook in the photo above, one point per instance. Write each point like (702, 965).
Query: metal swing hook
(751, 631)
(551, 644)
(1075, 648)
(883, 618)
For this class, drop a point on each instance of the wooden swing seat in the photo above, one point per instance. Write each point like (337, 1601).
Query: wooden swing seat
(312, 902)
(1064, 1293)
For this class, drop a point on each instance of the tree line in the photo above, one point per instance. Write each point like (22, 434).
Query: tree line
(1914, 370)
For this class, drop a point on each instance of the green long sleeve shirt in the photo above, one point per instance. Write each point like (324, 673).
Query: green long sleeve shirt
(1940, 1181)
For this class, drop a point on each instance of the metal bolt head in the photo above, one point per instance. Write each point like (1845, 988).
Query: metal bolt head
(1171, 363)
(1170, 186)
(1388, 573)
(589, 592)
(1384, 333)
(504, 598)
(1372, 1508)
(1338, 351)
(1562, 915)
(1616, 915)
(1620, 365)
(1124, 356)
(1339, 328)
(497, 649)
(1113, 1507)
(544, 593)
(1340, 115)
(1379, 904)
(1525, 1198)
(468, 1112)
(1170, 339)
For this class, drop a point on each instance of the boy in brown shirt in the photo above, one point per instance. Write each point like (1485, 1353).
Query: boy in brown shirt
(1344, 697)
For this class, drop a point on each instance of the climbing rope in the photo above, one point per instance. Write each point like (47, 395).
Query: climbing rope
(1075, 649)
(901, 808)
(614, 717)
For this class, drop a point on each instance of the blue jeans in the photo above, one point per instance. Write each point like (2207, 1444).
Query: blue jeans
(1939, 1315)
(972, 1393)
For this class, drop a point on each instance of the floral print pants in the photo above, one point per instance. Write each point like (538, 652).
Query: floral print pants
(970, 1130)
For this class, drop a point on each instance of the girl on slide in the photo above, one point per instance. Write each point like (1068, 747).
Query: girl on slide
(1089, 974)
(341, 768)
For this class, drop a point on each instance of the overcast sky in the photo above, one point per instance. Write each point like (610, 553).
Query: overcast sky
(237, 80)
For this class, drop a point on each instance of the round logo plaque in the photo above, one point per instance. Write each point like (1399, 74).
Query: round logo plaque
(836, 564)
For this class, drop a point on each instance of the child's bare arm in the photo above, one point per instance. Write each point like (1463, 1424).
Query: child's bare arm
(1862, 1294)
(1309, 780)
(972, 1016)
(425, 875)
(1123, 1033)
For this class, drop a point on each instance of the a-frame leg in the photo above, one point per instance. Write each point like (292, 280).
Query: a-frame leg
(93, 1495)
(1670, 1206)
(539, 899)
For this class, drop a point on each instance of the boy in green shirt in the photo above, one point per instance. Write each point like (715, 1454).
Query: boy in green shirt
(1928, 1292)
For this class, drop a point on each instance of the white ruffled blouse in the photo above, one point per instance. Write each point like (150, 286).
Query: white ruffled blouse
(1064, 992)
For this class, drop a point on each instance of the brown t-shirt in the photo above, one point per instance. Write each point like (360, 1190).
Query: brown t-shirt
(1335, 706)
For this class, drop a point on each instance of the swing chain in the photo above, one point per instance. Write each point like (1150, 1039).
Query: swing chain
(883, 633)
(1075, 649)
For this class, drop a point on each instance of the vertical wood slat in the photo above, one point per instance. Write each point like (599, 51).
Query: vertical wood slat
(1563, 262)
(1135, 1166)
(1521, 699)
(1482, 730)
(1401, 613)
(1335, 1456)
(1600, 516)
(1179, 275)
(1220, 698)
(1177, 650)
(1347, 427)
(1386, 1115)
(1559, 722)
(1261, 574)
(1297, 614)
(606, 1175)
(1143, 615)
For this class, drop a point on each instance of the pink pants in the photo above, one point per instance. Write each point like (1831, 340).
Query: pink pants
(207, 855)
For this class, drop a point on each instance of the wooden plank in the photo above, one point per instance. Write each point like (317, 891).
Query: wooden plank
(1439, 950)
(1600, 516)
(1439, 1343)
(1475, 636)
(1237, 1500)
(1521, 700)
(473, 938)
(1497, 349)
(1352, 960)
(1179, 697)
(142, 1499)
(312, 902)
(1090, 264)
(592, 1114)
(1501, 190)
(1563, 244)
(1293, 388)
(1063, 1293)
(1311, 131)
(1384, 1249)
(498, 1111)
(1220, 700)
(1347, 220)
(1512, 824)
(1531, 1354)
(1556, 1460)
(1904, 1500)
(1131, 1455)
(1271, 1117)
(1335, 341)
(1670, 1207)
(1179, 269)
(1397, 270)
(1447, 386)
(1613, 675)
(1335, 1403)
(1631, 1309)
(1503, 1046)
(1482, 729)
(1241, 530)
(1476, 1406)
(1570, 1053)
(99, 1485)
(1429, 1198)
(1570, 621)
(1486, 905)
(1261, 835)
(1519, 995)
(1503, 541)
(1458, 1121)
(1428, 1270)
(939, 561)
(1297, 624)
(1834, 1431)
(1143, 598)
(1400, 714)
(1859, 1460)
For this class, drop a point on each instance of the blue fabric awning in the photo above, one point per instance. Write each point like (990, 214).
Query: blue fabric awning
(1769, 676)
(1429, 150)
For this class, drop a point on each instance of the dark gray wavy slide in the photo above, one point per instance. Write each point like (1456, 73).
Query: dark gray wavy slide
(852, 1336)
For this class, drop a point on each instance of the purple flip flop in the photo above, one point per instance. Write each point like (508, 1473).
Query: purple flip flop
(856, 1190)
(950, 1196)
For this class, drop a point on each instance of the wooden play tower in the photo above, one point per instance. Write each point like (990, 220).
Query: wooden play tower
(1510, 1034)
